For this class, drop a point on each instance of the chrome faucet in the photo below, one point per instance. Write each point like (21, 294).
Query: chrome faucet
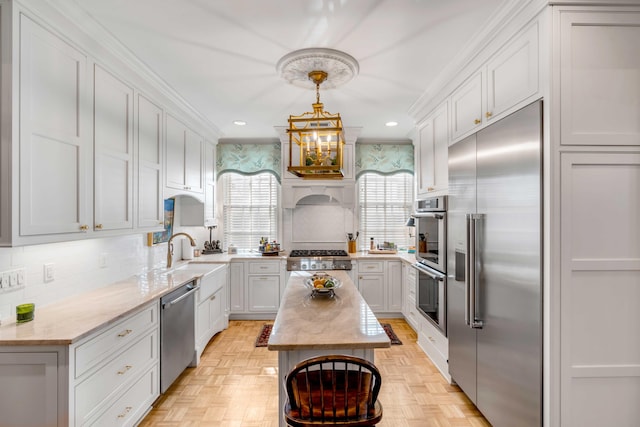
(170, 247)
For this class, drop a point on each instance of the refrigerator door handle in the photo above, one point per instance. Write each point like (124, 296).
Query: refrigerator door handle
(472, 221)
(467, 269)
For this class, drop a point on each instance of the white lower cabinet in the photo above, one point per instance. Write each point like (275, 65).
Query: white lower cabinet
(109, 378)
(211, 313)
(435, 345)
(409, 309)
(114, 373)
(380, 284)
(256, 287)
(32, 391)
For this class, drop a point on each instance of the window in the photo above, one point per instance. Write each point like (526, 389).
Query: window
(385, 204)
(250, 207)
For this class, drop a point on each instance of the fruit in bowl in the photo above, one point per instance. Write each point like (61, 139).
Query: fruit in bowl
(322, 282)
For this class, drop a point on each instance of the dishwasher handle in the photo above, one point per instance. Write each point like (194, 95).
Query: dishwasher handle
(181, 297)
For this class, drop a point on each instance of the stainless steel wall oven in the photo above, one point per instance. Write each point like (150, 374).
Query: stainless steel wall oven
(431, 265)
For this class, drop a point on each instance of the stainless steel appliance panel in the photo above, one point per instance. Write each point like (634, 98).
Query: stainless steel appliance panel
(462, 199)
(177, 333)
(495, 333)
(509, 269)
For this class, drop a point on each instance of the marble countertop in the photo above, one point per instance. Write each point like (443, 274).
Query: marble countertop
(72, 319)
(343, 322)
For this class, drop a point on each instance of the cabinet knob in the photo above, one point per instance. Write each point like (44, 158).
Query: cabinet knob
(212, 297)
(98, 226)
(430, 188)
(125, 333)
(477, 121)
(160, 222)
(84, 227)
(488, 114)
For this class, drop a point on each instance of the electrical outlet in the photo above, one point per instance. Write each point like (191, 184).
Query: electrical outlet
(21, 277)
(13, 278)
(49, 272)
(102, 260)
(2, 280)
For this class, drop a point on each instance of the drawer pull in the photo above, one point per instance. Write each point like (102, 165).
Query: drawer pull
(125, 333)
(263, 267)
(431, 339)
(212, 297)
(126, 411)
(124, 371)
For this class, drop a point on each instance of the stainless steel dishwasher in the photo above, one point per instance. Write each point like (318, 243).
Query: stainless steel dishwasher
(177, 333)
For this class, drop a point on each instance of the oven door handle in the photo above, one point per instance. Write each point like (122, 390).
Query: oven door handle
(429, 272)
(428, 215)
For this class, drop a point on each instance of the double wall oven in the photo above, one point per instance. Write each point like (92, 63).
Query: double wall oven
(431, 251)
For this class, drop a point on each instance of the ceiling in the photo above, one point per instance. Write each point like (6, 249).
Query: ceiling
(221, 55)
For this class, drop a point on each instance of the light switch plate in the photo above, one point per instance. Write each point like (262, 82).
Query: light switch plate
(49, 272)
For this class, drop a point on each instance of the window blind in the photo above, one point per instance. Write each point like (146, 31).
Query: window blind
(250, 205)
(385, 202)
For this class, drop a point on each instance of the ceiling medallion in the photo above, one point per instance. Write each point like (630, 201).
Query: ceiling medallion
(296, 66)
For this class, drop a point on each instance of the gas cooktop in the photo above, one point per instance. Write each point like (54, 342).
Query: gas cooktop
(298, 253)
(318, 259)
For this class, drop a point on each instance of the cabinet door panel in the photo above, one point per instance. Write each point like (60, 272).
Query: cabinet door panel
(600, 259)
(264, 293)
(150, 199)
(34, 375)
(466, 106)
(194, 153)
(394, 285)
(425, 159)
(176, 137)
(372, 289)
(53, 125)
(512, 76)
(236, 287)
(113, 150)
(599, 78)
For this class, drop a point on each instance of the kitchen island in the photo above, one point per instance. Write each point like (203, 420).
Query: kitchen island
(308, 326)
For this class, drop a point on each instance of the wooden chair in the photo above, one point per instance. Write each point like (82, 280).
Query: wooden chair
(333, 390)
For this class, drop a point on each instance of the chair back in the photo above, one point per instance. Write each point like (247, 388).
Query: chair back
(335, 389)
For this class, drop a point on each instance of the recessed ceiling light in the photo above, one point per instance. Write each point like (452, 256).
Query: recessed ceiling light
(239, 122)
(391, 124)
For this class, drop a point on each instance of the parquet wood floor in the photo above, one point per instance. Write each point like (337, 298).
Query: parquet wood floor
(236, 385)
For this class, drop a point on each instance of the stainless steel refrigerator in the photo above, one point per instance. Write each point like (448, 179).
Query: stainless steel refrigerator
(494, 286)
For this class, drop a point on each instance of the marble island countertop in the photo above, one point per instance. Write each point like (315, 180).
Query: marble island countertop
(343, 322)
(70, 320)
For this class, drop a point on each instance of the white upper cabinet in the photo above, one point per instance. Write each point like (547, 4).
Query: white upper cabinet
(600, 77)
(150, 199)
(431, 159)
(512, 74)
(507, 80)
(185, 159)
(55, 134)
(113, 151)
(466, 106)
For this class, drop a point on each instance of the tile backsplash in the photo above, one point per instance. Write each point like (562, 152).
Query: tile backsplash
(80, 266)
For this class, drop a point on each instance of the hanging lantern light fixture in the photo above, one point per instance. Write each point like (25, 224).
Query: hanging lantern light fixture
(316, 138)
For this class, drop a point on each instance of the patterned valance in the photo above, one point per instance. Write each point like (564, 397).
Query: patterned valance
(385, 159)
(249, 159)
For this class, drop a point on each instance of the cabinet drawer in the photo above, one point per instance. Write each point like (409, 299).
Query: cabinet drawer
(133, 403)
(435, 337)
(93, 351)
(370, 266)
(110, 379)
(264, 267)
